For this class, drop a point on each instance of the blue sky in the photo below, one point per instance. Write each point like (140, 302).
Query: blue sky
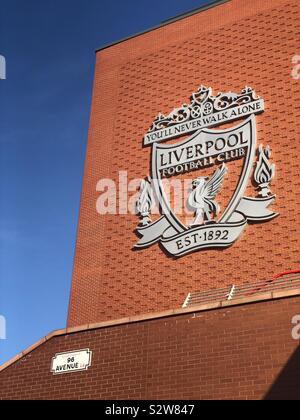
(49, 48)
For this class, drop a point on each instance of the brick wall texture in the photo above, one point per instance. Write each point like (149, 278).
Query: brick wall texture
(227, 47)
(242, 352)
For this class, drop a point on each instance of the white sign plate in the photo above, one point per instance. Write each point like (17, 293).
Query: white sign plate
(75, 361)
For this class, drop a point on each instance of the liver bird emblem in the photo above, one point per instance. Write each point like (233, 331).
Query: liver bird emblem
(203, 194)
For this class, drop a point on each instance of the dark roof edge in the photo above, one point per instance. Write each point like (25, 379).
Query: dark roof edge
(165, 23)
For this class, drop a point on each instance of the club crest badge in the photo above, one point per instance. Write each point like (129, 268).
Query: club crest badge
(221, 165)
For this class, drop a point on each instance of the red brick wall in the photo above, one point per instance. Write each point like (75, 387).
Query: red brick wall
(226, 47)
(239, 352)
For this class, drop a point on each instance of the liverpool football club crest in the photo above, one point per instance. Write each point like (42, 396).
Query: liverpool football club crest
(210, 157)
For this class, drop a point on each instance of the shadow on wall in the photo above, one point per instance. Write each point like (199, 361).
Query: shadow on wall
(287, 385)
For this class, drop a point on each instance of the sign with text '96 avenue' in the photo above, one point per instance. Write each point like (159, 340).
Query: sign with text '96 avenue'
(75, 361)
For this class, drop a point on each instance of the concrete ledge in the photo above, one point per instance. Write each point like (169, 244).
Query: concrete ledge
(77, 329)
(11, 362)
(285, 293)
(249, 299)
(195, 308)
(34, 346)
(280, 294)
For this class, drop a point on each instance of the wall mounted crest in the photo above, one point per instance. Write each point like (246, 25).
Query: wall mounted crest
(206, 149)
